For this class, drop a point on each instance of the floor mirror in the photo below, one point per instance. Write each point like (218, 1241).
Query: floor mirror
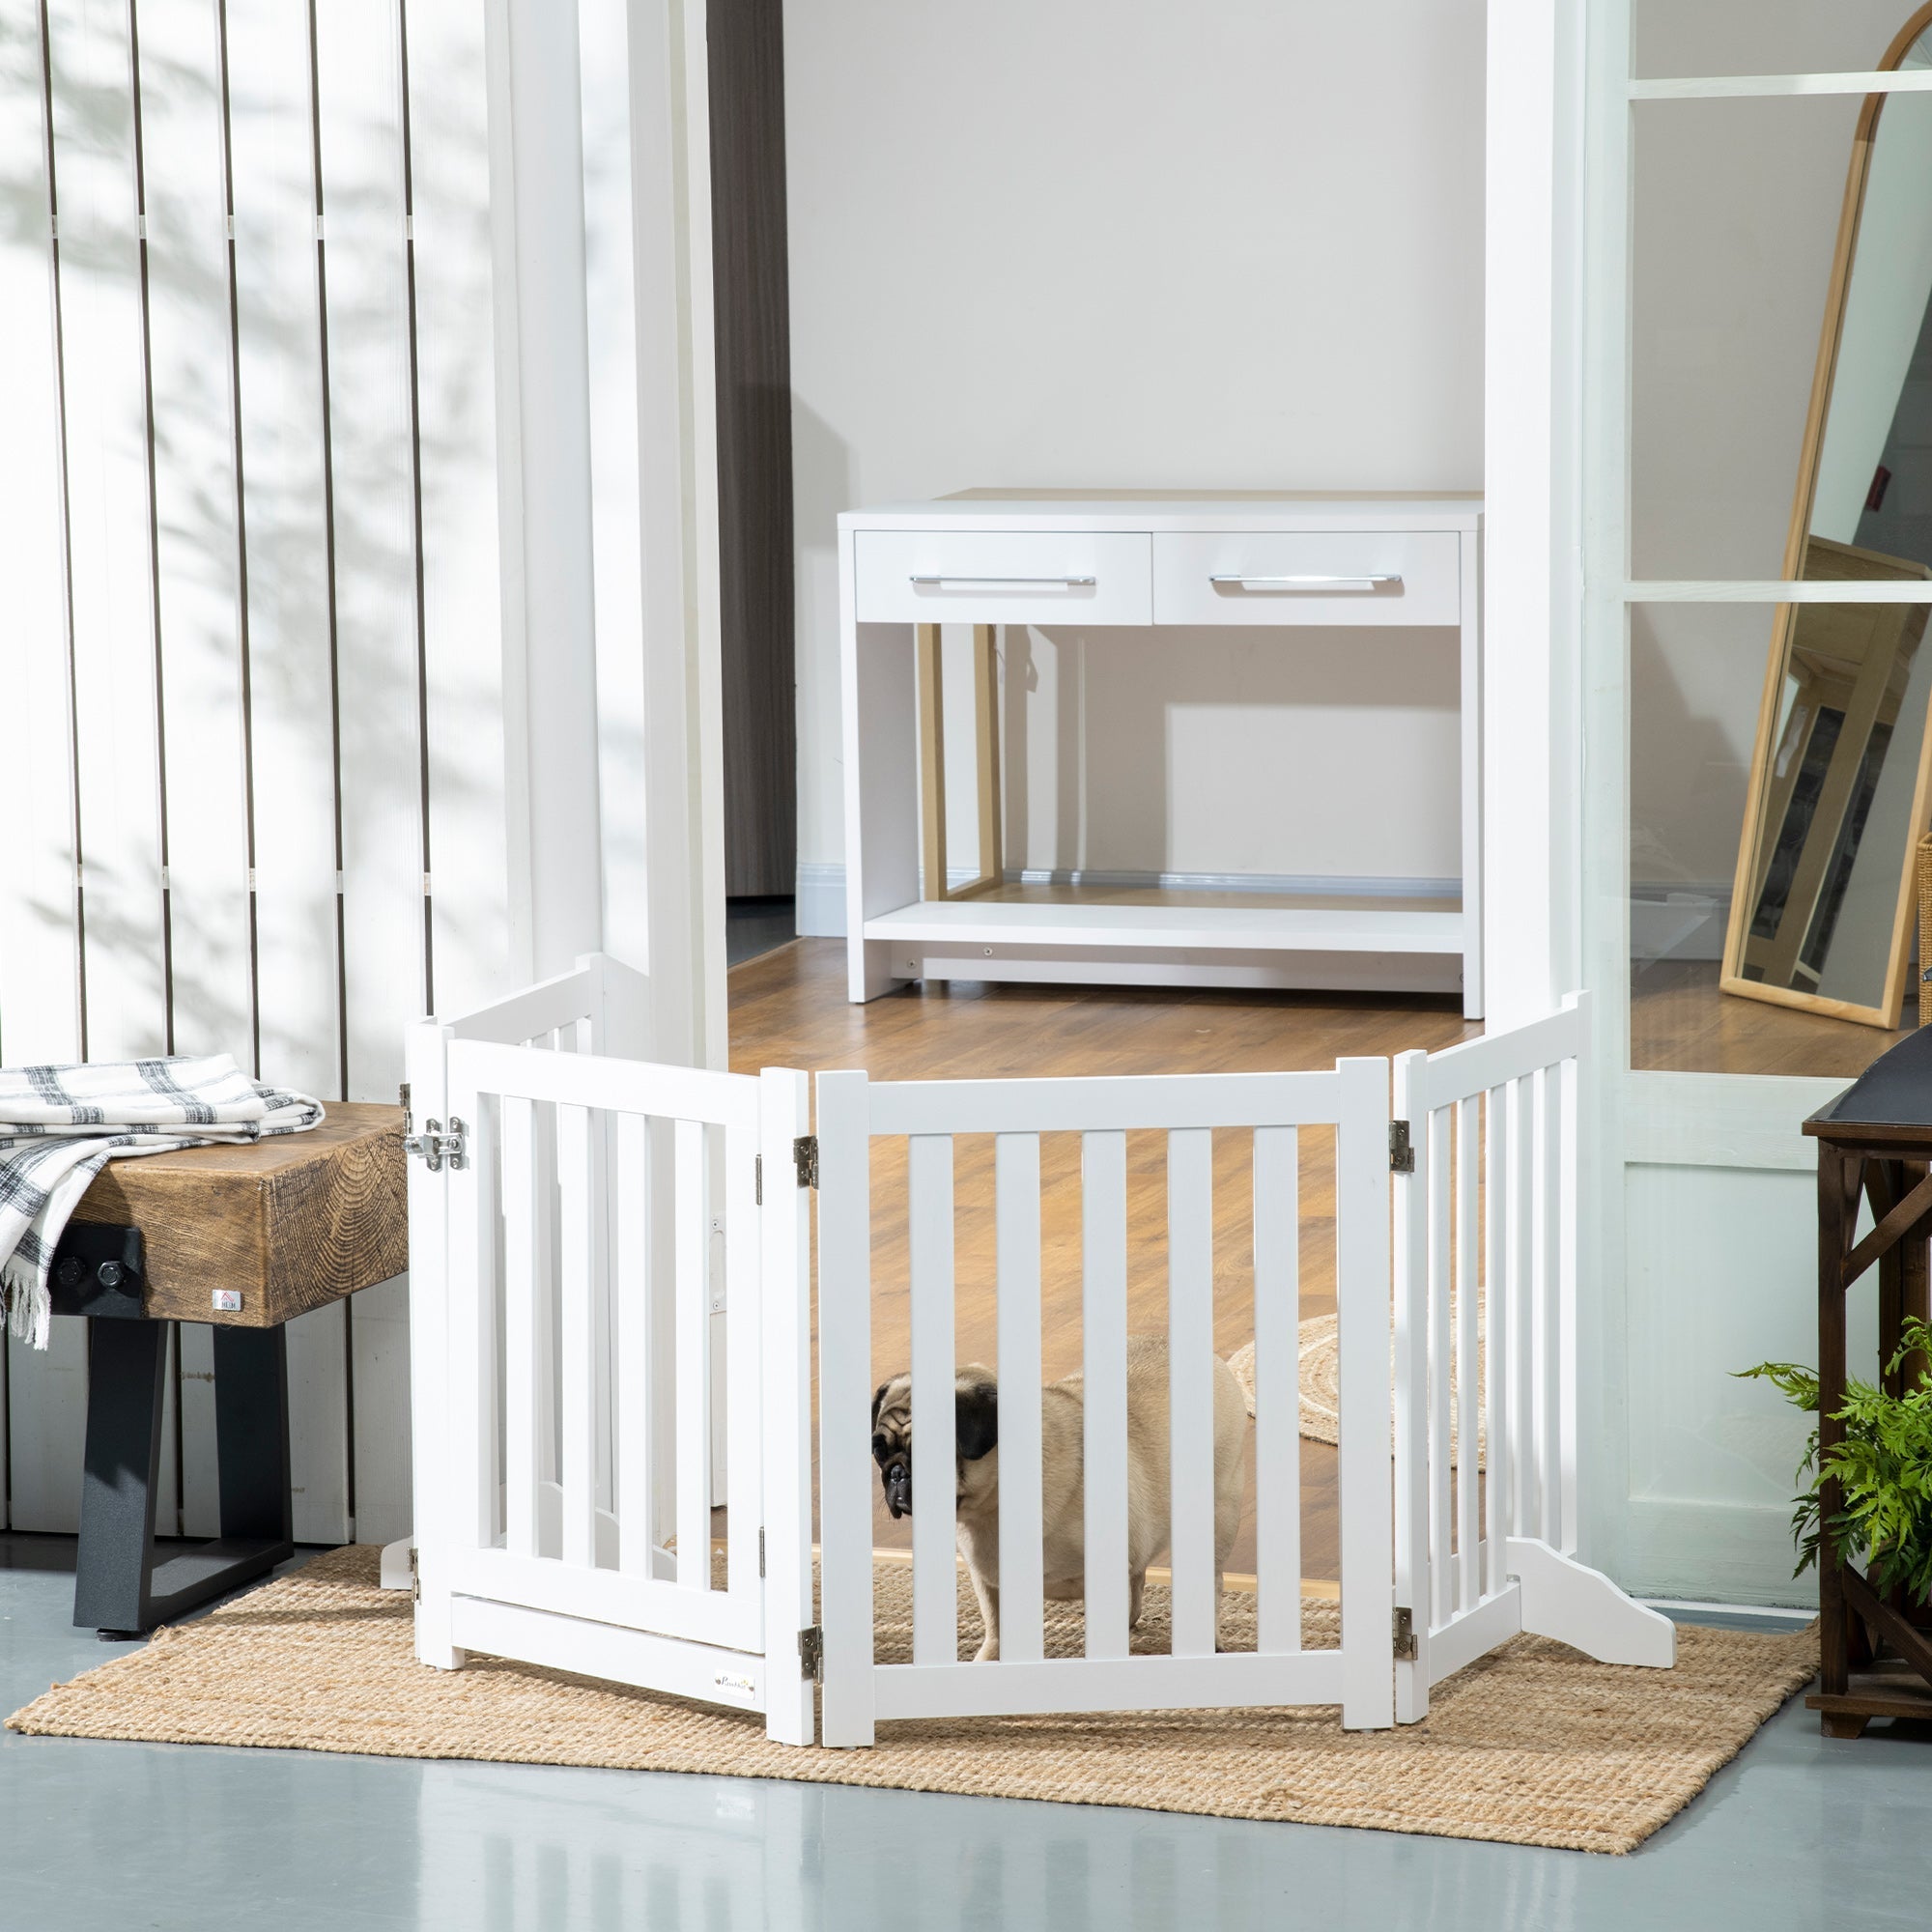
(1841, 779)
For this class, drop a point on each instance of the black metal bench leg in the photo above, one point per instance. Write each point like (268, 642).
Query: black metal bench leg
(126, 1366)
(252, 1433)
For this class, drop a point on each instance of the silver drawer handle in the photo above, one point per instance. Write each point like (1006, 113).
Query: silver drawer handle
(1307, 582)
(1004, 582)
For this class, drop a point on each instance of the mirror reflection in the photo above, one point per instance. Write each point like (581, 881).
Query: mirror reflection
(1839, 784)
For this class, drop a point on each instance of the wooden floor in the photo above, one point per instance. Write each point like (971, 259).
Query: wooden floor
(1681, 1022)
(788, 1008)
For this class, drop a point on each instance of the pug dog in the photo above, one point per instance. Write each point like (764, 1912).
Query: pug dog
(976, 1408)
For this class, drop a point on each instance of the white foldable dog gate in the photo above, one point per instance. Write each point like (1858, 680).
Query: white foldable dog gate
(568, 1210)
(573, 1212)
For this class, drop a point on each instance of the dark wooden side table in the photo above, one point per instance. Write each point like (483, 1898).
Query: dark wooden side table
(247, 1239)
(1876, 1661)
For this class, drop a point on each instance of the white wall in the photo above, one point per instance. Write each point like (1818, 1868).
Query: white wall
(1121, 243)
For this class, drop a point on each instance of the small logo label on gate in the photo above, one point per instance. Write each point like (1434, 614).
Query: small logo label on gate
(227, 1300)
(736, 1687)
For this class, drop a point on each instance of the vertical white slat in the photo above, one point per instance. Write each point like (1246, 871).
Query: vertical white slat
(846, 1473)
(1363, 1454)
(1548, 1520)
(1441, 1561)
(1523, 1271)
(784, 1296)
(1498, 1478)
(365, 260)
(379, 1361)
(631, 1294)
(1277, 1448)
(1573, 1169)
(691, 1236)
(935, 1574)
(610, 223)
(40, 964)
(1469, 1396)
(110, 552)
(1016, 1212)
(744, 1397)
(1190, 1353)
(715, 1190)
(318, 1345)
(577, 1379)
(198, 591)
(521, 1355)
(284, 501)
(198, 544)
(1409, 1314)
(463, 435)
(1103, 1345)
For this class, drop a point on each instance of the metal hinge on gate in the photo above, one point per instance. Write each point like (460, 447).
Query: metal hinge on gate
(436, 1144)
(1401, 1156)
(811, 1653)
(804, 1157)
(415, 1575)
(1404, 1635)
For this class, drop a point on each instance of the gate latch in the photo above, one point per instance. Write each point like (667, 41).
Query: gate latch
(804, 1157)
(435, 1144)
(1404, 1635)
(811, 1653)
(1401, 1156)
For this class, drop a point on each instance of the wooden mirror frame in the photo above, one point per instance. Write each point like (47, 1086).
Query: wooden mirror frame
(1784, 623)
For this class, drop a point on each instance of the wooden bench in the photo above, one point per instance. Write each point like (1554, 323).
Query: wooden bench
(246, 1239)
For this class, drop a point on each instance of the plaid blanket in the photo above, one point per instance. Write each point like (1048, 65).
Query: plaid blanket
(61, 1126)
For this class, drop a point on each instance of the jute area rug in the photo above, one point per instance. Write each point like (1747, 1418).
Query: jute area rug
(1533, 1745)
(1318, 1366)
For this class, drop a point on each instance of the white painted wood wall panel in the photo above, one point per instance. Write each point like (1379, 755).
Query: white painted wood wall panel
(270, 568)
(196, 460)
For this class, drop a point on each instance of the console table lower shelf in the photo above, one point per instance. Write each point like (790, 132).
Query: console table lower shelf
(1419, 950)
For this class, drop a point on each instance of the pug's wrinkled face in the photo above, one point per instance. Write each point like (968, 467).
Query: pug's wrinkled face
(976, 1433)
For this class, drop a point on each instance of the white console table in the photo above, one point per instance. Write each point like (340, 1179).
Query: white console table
(1047, 558)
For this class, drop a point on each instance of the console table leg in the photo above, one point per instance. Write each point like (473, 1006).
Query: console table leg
(126, 1367)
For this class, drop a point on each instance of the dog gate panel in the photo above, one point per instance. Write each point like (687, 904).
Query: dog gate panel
(853, 1110)
(575, 1314)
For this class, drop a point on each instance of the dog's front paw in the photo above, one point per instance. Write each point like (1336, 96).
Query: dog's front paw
(988, 1652)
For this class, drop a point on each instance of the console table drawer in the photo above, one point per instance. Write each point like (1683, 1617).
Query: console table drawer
(1030, 577)
(1247, 576)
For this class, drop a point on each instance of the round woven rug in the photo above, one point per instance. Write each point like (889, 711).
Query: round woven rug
(1534, 1745)
(1319, 1377)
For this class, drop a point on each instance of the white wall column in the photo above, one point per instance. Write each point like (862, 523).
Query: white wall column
(602, 240)
(1532, 766)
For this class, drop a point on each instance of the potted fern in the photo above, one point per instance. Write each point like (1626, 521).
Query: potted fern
(1884, 1469)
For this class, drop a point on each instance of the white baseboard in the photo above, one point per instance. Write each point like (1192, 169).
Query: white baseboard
(821, 887)
(820, 908)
